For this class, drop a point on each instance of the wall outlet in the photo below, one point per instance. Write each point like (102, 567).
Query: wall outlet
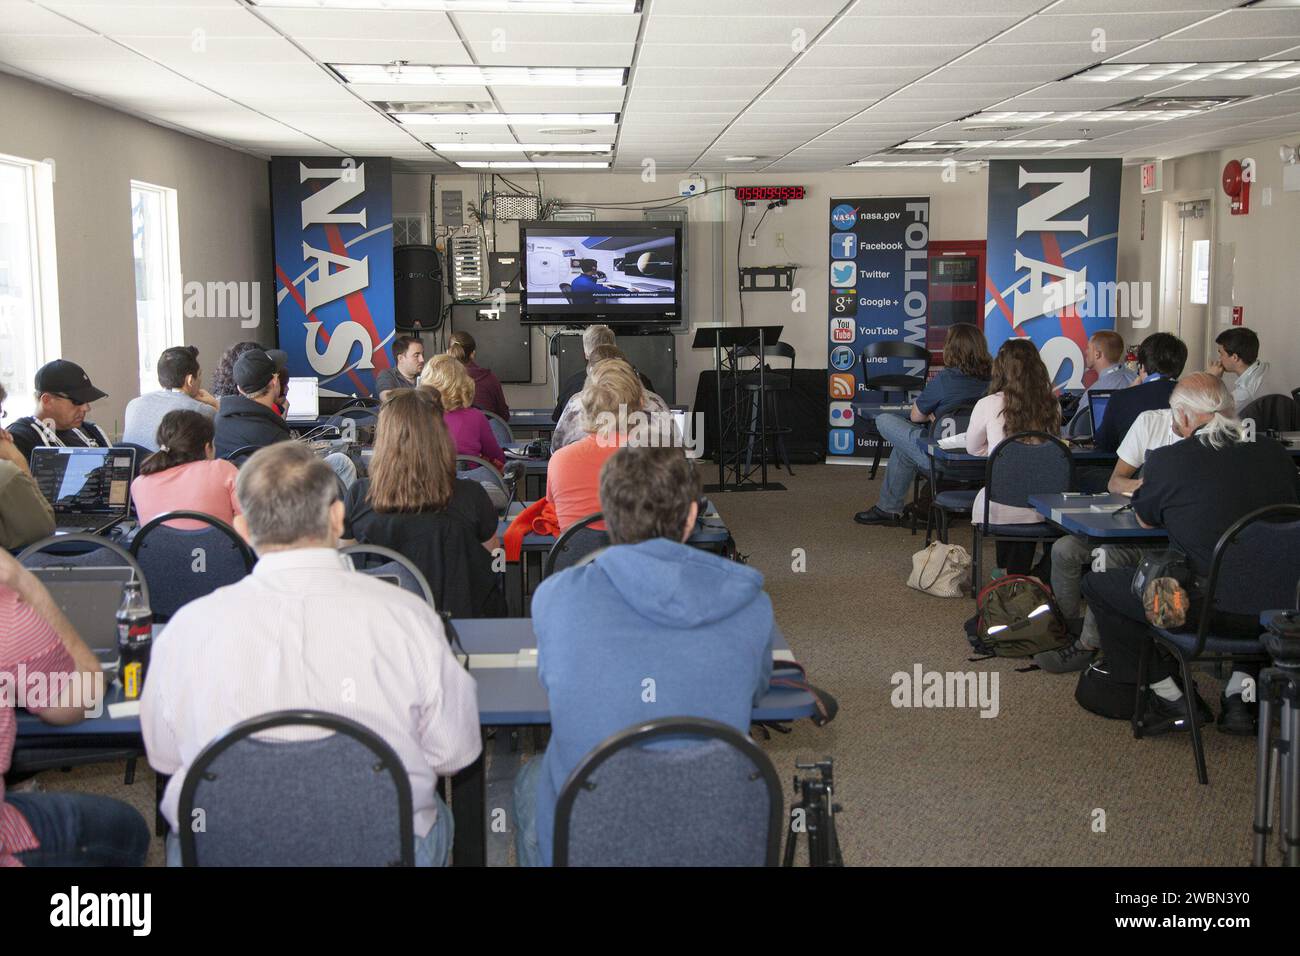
(780, 239)
(753, 240)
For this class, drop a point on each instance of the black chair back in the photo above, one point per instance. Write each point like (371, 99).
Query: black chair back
(578, 541)
(500, 428)
(1024, 464)
(955, 420)
(1273, 413)
(242, 454)
(338, 800)
(895, 382)
(386, 563)
(713, 799)
(184, 565)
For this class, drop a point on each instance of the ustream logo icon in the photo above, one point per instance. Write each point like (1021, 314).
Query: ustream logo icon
(842, 386)
(844, 216)
(841, 441)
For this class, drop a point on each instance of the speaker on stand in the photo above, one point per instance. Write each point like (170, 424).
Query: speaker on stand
(417, 289)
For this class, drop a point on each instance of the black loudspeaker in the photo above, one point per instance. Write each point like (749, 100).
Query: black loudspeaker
(417, 288)
(654, 355)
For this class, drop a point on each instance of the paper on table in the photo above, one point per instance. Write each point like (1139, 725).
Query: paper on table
(953, 442)
(126, 708)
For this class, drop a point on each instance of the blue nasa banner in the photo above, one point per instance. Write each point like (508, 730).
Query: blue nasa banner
(1053, 244)
(879, 291)
(333, 222)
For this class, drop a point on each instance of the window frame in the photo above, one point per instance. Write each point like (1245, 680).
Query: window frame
(173, 281)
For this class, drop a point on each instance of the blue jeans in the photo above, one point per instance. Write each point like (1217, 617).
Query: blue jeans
(81, 829)
(527, 849)
(344, 467)
(905, 460)
(432, 849)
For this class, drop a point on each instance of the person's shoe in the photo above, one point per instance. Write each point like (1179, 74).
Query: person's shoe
(1164, 716)
(875, 516)
(1063, 660)
(1238, 717)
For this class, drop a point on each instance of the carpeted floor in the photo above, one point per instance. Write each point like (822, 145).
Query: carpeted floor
(1043, 782)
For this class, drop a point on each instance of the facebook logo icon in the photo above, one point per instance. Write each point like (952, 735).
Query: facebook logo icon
(844, 245)
(841, 441)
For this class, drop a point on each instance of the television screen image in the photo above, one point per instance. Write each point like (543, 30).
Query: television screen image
(600, 272)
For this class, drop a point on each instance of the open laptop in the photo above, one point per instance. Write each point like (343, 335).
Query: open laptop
(1098, 399)
(89, 488)
(90, 597)
(304, 400)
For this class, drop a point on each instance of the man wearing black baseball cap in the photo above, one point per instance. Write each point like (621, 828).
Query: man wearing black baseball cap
(63, 396)
(249, 418)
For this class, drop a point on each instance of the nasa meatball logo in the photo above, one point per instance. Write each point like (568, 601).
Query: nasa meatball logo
(844, 216)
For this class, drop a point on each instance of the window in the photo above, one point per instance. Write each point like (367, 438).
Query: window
(29, 298)
(155, 243)
(1199, 293)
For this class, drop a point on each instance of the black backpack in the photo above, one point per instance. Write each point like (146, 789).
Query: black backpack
(1017, 617)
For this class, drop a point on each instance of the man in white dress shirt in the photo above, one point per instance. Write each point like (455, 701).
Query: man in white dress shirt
(304, 631)
(1239, 354)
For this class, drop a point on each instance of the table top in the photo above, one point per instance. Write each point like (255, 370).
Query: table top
(502, 659)
(532, 466)
(536, 418)
(1077, 452)
(1094, 517)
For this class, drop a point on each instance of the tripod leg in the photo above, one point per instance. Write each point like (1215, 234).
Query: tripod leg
(1290, 774)
(1264, 768)
(791, 838)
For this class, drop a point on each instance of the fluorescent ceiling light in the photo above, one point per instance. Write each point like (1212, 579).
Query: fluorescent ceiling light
(741, 159)
(1188, 72)
(522, 147)
(1095, 116)
(425, 74)
(910, 162)
(955, 144)
(497, 164)
(506, 119)
(465, 6)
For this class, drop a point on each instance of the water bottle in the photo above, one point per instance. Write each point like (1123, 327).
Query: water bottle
(134, 639)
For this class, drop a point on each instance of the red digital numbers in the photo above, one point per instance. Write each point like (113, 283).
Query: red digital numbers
(768, 193)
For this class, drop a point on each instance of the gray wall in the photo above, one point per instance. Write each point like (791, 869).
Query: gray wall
(225, 226)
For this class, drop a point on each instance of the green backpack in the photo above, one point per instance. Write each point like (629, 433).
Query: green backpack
(1017, 617)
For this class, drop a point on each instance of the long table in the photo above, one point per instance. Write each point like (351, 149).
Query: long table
(525, 422)
(501, 657)
(960, 455)
(1096, 518)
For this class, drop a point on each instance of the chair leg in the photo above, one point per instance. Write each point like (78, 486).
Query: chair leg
(1194, 722)
(783, 456)
(1139, 704)
(929, 525)
(977, 560)
(875, 460)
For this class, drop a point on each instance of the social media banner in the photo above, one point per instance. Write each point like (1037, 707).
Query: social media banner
(334, 268)
(1053, 243)
(878, 291)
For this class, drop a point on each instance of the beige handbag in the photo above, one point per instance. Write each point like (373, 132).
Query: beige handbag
(941, 569)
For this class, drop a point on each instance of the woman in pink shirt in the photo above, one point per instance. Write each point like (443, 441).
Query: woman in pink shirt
(1020, 399)
(183, 475)
(468, 426)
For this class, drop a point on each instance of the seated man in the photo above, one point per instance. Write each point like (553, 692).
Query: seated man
(408, 354)
(1196, 489)
(40, 649)
(592, 336)
(250, 418)
(63, 396)
(696, 624)
(1161, 358)
(305, 631)
(1239, 354)
(569, 427)
(964, 379)
(25, 515)
(1071, 556)
(1105, 357)
(182, 389)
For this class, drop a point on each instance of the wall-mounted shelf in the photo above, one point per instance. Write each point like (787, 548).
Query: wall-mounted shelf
(767, 278)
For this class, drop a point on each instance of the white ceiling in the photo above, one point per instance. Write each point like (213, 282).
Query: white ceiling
(812, 90)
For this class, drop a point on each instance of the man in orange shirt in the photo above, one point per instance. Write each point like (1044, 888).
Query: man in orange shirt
(612, 393)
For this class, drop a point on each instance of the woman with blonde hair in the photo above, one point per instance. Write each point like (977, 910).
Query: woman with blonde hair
(413, 502)
(468, 426)
(612, 392)
(488, 394)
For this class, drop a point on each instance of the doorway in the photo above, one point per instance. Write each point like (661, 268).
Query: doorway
(1186, 254)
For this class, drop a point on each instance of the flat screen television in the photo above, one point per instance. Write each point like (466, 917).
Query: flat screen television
(582, 273)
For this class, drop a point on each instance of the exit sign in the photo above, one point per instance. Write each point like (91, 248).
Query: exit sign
(1151, 177)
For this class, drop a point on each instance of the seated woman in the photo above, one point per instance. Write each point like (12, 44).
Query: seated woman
(488, 394)
(183, 475)
(1020, 399)
(413, 503)
(468, 426)
(569, 427)
(573, 476)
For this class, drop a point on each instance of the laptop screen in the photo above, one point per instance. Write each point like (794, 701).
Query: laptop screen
(84, 480)
(89, 596)
(304, 399)
(1098, 399)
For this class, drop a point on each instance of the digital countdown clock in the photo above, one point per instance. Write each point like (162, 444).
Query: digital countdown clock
(768, 193)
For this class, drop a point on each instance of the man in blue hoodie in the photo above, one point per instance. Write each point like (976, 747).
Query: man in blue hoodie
(651, 628)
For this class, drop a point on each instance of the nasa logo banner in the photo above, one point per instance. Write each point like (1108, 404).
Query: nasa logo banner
(1053, 243)
(879, 282)
(334, 268)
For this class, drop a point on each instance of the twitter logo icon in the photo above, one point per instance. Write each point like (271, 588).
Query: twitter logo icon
(843, 274)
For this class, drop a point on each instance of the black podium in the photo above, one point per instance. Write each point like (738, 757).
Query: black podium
(736, 431)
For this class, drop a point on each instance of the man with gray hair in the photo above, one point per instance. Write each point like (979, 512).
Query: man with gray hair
(306, 632)
(592, 337)
(1196, 489)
